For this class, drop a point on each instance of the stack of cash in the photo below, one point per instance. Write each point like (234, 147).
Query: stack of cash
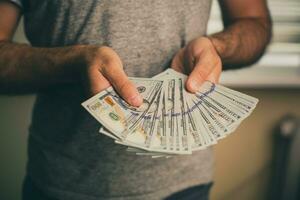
(170, 121)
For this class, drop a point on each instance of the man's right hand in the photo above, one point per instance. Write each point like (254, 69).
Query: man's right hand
(34, 69)
(104, 68)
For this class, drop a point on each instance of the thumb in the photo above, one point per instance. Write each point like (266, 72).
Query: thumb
(215, 75)
(197, 77)
(95, 82)
(119, 80)
(177, 62)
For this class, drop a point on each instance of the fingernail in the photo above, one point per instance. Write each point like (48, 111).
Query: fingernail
(136, 100)
(194, 85)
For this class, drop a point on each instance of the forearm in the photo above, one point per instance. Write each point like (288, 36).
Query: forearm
(28, 69)
(242, 42)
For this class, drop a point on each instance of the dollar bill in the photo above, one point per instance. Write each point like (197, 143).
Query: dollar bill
(171, 121)
(118, 116)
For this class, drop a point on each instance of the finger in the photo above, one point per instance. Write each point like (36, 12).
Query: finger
(188, 60)
(125, 88)
(96, 82)
(177, 62)
(215, 75)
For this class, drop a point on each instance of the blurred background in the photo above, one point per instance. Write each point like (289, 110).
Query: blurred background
(259, 161)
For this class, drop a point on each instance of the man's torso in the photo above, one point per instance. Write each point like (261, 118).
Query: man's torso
(67, 156)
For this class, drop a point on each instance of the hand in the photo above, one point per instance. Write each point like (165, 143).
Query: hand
(103, 68)
(200, 60)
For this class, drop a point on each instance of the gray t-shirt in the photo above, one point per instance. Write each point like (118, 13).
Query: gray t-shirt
(68, 158)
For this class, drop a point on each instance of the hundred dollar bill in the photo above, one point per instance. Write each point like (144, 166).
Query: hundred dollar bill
(171, 120)
(170, 110)
(161, 135)
(245, 102)
(196, 133)
(234, 106)
(159, 140)
(142, 136)
(184, 139)
(115, 114)
(154, 118)
(146, 128)
(210, 128)
(197, 141)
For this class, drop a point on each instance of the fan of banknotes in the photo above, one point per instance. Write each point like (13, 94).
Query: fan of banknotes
(170, 121)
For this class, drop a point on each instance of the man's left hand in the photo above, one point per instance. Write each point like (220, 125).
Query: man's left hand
(200, 60)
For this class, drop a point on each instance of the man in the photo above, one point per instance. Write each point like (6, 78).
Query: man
(79, 48)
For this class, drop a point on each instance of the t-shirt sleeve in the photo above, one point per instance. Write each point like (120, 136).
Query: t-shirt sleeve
(17, 2)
